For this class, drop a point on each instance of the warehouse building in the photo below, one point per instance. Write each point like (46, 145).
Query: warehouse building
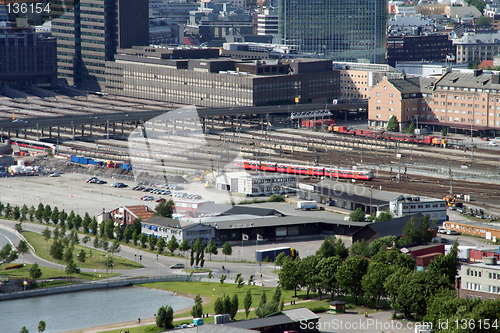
(490, 231)
(255, 184)
(166, 228)
(369, 199)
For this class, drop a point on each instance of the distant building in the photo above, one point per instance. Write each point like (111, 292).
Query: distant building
(432, 48)
(480, 280)
(198, 77)
(423, 253)
(478, 229)
(344, 31)
(163, 227)
(255, 184)
(267, 22)
(27, 58)
(300, 320)
(89, 35)
(474, 46)
(409, 205)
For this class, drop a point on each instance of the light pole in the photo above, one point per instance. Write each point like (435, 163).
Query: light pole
(78, 271)
(107, 269)
(24, 282)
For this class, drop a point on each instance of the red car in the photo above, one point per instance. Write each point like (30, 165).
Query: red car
(161, 199)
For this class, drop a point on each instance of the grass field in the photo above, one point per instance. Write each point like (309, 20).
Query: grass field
(94, 259)
(47, 273)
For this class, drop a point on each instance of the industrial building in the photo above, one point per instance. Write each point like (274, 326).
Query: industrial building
(344, 31)
(489, 231)
(256, 184)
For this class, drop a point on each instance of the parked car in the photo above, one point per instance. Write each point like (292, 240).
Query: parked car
(161, 199)
(147, 189)
(177, 266)
(55, 174)
(330, 203)
(99, 181)
(119, 185)
(493, 143)
(452, 232)
(148, 198)
(91, 179)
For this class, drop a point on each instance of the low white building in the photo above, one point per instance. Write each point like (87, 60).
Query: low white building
(165, 228)
(410, 205)
(256, 184)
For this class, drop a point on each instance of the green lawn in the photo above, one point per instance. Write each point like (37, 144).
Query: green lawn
(47, 273)
(210, 291)
(94, 259)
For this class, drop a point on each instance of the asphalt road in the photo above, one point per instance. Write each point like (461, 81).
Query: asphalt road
(153, 265)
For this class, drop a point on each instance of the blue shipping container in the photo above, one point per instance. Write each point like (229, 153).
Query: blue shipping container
(83, 160)
(92, 162)
(74, 159)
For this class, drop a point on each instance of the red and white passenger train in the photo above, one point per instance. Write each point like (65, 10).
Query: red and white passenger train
(305, 169)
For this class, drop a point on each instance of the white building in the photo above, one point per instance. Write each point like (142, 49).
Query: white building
(409, 205)
(165, 228)
(255, 184)
(267, 22)
(472, 46)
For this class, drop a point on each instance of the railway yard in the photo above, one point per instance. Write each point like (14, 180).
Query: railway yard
(404, 167)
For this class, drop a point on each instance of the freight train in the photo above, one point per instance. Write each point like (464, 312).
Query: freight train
(401, 137)
(305, 169)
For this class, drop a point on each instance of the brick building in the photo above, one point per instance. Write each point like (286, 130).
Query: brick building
(125, 215)
(467, 101)
(488, 231)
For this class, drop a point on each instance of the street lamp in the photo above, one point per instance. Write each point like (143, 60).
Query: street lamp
(107, 269)
(78, 259)
(25, 282)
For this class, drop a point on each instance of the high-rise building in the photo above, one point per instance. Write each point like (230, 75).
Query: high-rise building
(89, 32)
(352, 30)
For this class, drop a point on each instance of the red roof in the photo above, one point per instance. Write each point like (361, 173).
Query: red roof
(142, 211)
(486, 64)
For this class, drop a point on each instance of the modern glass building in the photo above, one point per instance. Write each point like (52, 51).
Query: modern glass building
(343, 30)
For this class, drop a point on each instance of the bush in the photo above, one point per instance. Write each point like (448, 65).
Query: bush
(276, 198)
(319, 309)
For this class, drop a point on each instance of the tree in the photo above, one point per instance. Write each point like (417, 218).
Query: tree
(127, 234)
(115, 247)
(7, 210)
(57, 250)
(35, 272)
(328, 274)
(384, 216)
(160, 244)
(74, 237)
(92, 226)
(393, 124)
(16, 212)
(55, 215)
(47, 212)
(350, 274)
(19, 227)
(374, 279)
(330, 248)
(280, 259)
(234, 306)
(290, 276)
(109, 229)
(381, 244)
(212, 249)
(247, 302)
(152, 242)
(86, 225)
(197, 310)
(24, 330)
(85, 240)
(22, 247)
(71, 268)
(219, 306)
(41, 326)
(266, 309)
(483, 21)
(360, 248)
(1, 208)
(184, 246)
(222, 279)
(71, 220)
(39, 212)
(144, 240)
(68, 254)
(165, 317)
(5, 252)
(81, 256)
(31, 213)
(46, 234)
(78, 223)
(24, 211)
(444, 131)
(308, 273)
(172, 244)
(358, 215)
(240, 282)
(165, 208)
(97, 243)
(446, 264)
(411, 128)
(118, 232)
(227, 250)
(62, 217)
(417, 231)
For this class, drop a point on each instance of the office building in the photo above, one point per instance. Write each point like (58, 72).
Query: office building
(434, 48)
(27, 58)
(480, 280)
(198, 77)
(89, 34)
(340, 30)
(255, 184)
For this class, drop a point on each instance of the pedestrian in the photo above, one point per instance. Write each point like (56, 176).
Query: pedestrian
(138, 320)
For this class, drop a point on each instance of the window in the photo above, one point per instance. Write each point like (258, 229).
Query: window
(377, 115)
(378, 107)
(378, 94)
(391, 95)
(391, 102)
(378, 101)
